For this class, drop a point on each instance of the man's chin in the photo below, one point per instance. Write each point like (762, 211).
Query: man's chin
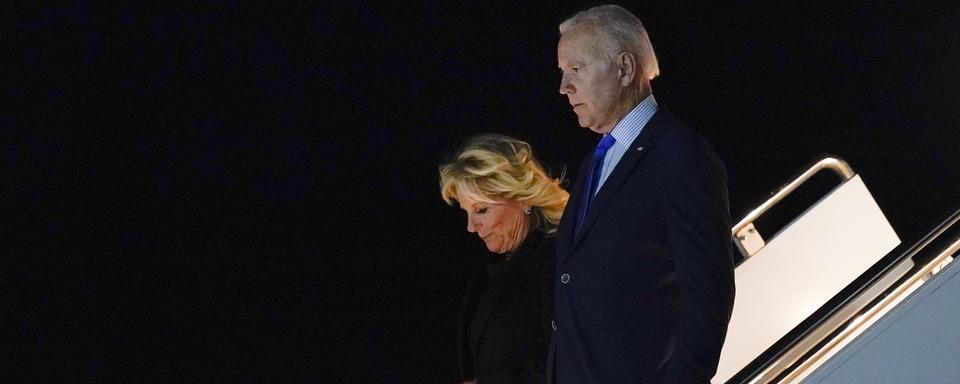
(592, 128)
(587, 127)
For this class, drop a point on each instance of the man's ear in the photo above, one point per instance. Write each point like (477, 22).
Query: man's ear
(627, 64)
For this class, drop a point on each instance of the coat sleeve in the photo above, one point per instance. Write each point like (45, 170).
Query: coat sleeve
(468, 307)
(537, 306)
(698, 220)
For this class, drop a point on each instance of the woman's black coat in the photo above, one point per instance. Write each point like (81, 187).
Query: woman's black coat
(505, 315)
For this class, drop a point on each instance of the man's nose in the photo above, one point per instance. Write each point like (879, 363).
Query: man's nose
(565, 86)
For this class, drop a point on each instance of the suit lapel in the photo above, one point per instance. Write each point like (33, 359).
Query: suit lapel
(643, 144)
(565, 231)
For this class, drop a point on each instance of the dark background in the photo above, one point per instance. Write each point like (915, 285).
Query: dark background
(232, 192)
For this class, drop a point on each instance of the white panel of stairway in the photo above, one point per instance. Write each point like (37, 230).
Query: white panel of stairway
(801, 268)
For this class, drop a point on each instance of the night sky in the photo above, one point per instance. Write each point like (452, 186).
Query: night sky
(230, 192)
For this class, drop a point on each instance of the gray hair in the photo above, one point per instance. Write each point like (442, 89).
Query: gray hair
(617, 30)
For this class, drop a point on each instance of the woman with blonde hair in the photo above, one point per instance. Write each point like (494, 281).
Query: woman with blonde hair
(514, 206)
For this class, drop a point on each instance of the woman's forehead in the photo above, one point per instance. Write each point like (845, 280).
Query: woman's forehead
(471, 198)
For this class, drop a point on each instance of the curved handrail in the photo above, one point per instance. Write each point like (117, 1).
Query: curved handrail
(837, 165)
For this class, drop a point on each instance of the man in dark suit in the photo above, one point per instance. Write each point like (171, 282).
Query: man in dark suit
(644, 276)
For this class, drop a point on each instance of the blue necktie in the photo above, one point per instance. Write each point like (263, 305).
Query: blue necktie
(596, 166)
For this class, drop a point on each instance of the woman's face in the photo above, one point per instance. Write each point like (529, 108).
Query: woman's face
(501, 225)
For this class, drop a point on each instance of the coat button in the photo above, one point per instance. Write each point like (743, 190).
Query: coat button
(564, 278)
(553, 324)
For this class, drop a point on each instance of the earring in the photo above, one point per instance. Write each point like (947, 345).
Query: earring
(527, 211)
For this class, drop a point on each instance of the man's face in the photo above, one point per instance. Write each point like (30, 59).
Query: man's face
(592, 86)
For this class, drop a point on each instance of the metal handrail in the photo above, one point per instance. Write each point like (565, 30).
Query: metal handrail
(839, 166)
(769, 367)
(866, 319)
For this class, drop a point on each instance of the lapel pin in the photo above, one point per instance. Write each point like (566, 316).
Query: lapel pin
(639, 148)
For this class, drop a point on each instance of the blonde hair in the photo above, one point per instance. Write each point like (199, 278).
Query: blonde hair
(490, 166)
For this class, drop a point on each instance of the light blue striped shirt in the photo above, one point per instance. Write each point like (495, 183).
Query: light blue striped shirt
(625, 132)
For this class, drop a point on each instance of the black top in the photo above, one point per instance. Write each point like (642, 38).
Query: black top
(505, 315)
